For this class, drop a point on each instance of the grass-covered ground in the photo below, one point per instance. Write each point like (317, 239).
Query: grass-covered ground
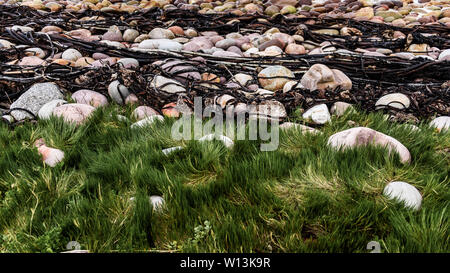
(303, 197)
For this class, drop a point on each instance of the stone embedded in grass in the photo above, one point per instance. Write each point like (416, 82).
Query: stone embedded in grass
(50, 156)
(142, 112)
(171, 150)
(318, 114)
(157, 202)
(363, 136)
(339, 108)
(297, 126)
(274, 77)
(270, 109)
(404, 192)
(147, 121)
(225, 140)
(441, 123)
(132, 99)
(74, 112)
(85, 96)
(34, 98)
(46, 111)
(118, 92)
(8, 118)
(395, 100)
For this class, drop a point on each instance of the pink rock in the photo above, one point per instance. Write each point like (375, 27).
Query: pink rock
(99, 56)
(215, 39)
(31, 60)
(142, 112)
(198, 44)
(285, 38)
(50, 156)
(273, 42)
(225, 54)
(320, 77)
(74, 112)
(295, 49)
(363, 136)
(131, 99)
(209, 33)
(90, 97)
(113, 36)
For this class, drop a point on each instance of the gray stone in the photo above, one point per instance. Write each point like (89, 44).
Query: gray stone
(167, 85)
(34, 98)
(118, 92)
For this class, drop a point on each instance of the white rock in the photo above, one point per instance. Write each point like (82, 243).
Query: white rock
(22, 28)
(167, 85)
(170, 150)
(163, 44)
(46, 111)
(225, 140)
(339, 108)
(242, 79)
(291, 84)
(8, 118)
(441, 123)
(5, 44)
(112, 43)
(35, 51)
(118, 92)
(395, 100)
(404, 192)
(157, 202)
(160, 33)
(128, 62)
(445, 54)
(71, 55)
(147, 121)
(318, 114)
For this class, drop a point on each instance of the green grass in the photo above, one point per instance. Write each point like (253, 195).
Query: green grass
(303, 197)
